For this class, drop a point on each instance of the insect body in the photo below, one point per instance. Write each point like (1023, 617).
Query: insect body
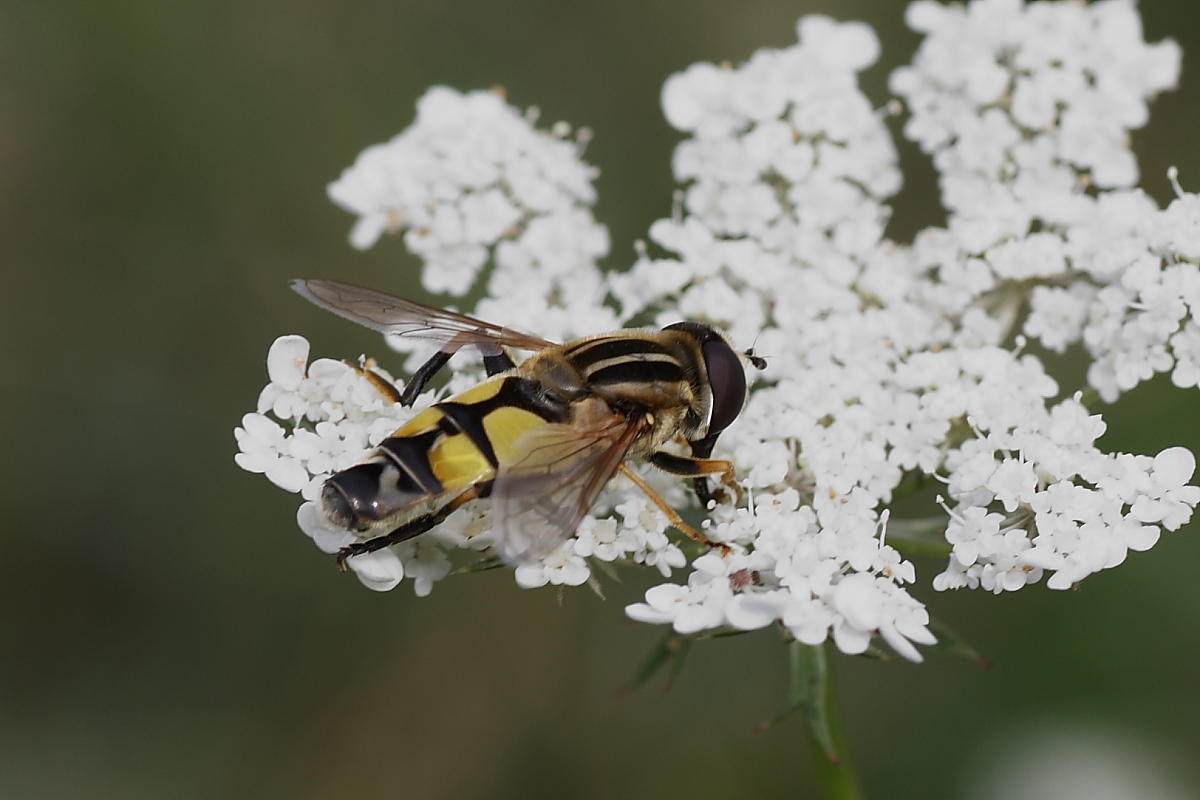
(541, 438)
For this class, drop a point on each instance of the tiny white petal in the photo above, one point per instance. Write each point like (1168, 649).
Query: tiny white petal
(262, 427)
(710, 563)
(850, 640)
(756, 610)
(1174, 467)
(531, 576)
(642, 612)
(899, 643)
(255, 462)
(312, 520)
(286, 361)
(288, 474)
(380, 571)
(857, 599)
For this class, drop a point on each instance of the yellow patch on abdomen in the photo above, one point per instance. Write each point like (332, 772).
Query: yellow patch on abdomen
(457, 463)
(454, 458)
(422, 422)
(505, 425)
(430, 417)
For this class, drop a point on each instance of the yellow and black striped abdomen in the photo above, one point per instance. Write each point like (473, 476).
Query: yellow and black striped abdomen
(462, 440)
(444, 450)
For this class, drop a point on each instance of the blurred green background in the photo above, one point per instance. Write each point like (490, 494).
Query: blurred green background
(166, 629)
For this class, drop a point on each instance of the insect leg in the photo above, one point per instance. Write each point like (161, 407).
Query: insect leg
(672, 514)
(413, 527)
(699, 468)
(495, 360)
(691, 467)
(381, 384)
(416, 384)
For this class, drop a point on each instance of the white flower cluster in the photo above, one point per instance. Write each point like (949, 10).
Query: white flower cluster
(472, 182)
(888, 363)
(894, 358)
(335, 414)
(1026, 112)
(640, 537)
(786, 157)
(313, 420)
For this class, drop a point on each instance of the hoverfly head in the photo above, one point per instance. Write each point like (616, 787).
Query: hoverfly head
(726, 375)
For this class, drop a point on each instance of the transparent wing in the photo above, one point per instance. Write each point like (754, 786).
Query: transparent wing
(539, 498)
(394, 315)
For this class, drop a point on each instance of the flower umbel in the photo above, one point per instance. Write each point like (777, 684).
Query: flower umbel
(891, 363)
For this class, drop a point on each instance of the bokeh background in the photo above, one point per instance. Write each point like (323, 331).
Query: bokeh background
(167, 631)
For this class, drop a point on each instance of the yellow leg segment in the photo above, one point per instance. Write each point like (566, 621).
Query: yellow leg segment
(672, 515)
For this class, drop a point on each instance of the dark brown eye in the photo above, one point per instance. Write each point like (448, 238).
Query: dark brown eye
(727, 381)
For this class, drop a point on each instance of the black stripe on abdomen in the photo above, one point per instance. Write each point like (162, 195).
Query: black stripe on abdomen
(411, 455)
(527, 395)
(468, 419)
(361, 496)
(522, 393)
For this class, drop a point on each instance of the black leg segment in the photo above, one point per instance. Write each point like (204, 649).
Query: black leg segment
(681, 465)
(703, 449)
(416, 384)
(497, 363)
(493, 363)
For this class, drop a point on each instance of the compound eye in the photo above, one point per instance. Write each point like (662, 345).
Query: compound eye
(727, 381)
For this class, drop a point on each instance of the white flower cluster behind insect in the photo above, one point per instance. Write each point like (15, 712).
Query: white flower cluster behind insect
(1027, 114)
(472, 182)
(888, 364)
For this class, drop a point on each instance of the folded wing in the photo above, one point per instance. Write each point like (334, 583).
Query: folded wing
(540, 495)
(389, 314)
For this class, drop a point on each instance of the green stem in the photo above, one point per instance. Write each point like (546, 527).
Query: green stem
(812, 691)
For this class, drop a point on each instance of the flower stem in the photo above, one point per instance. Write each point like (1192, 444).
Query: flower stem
(812, 691)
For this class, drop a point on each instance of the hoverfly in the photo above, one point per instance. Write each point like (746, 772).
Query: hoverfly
(540, 438)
